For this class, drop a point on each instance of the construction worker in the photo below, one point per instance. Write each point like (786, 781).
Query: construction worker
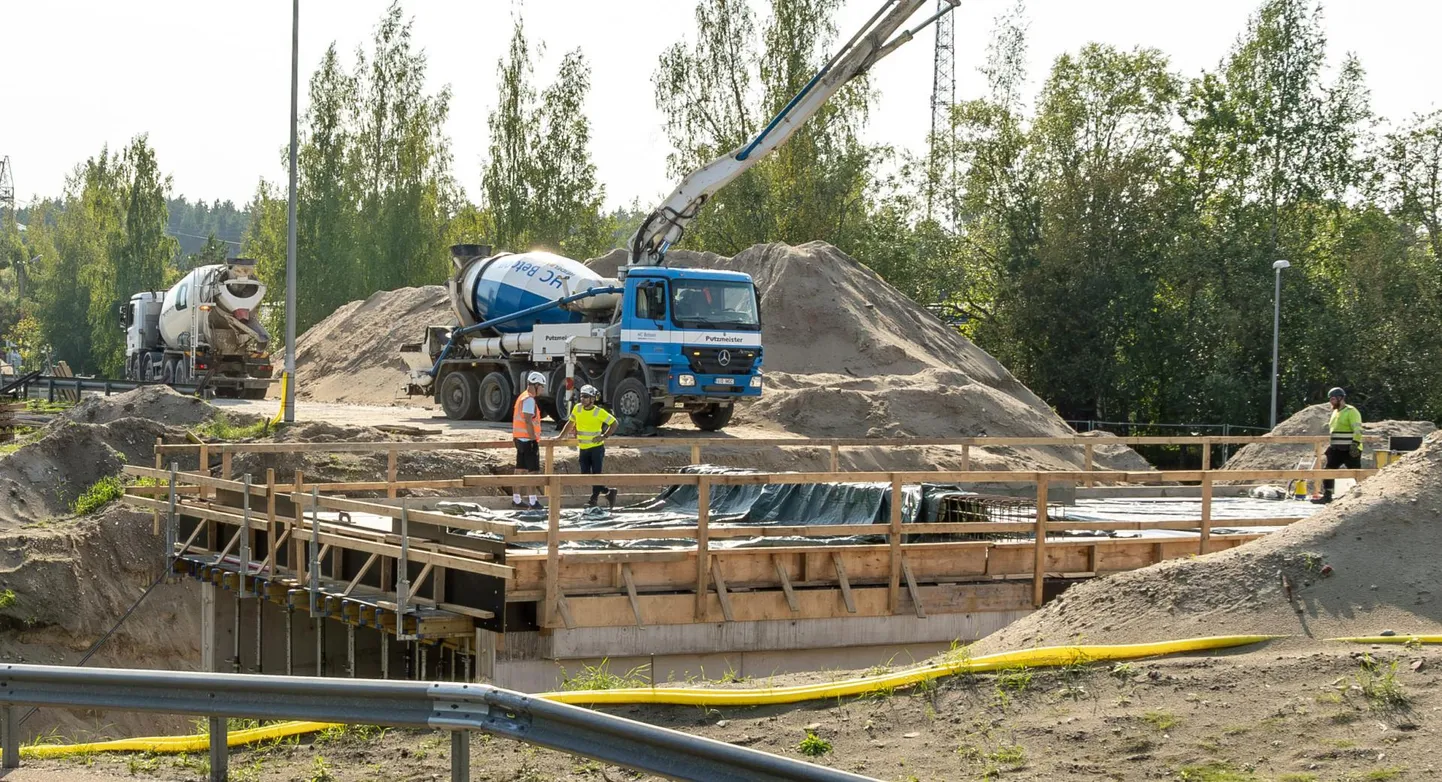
(592, 425)
(526, 433)
(1344, 449)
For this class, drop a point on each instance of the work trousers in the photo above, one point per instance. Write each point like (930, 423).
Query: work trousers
(1339, 456)
(592, 460)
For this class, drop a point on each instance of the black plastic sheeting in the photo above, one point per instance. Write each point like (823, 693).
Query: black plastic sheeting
(743, 505)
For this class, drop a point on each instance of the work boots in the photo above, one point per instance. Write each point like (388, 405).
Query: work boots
(1322, 500)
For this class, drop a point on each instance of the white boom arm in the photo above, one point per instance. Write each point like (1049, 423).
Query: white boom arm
(665, 226)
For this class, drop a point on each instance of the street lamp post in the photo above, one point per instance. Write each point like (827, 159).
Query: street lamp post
(1278, 266)
(288, 404)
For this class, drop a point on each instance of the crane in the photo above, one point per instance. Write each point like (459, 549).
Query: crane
(879, 37)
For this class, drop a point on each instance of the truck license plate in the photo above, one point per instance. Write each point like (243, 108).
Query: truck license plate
(725, 381)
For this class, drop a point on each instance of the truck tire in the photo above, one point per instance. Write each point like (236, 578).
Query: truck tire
(631, 404)
(458, 396)
(558, 409)
(147, 365)
(713, 418)
(167, 371)
(496, 397)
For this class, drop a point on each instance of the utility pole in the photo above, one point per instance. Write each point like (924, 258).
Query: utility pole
(1278, 266)
(288, 404)
(7, 187)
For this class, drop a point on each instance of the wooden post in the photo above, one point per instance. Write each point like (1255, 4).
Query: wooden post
(696, 453)
(1038, 576)
(703, 543)
(225, 457)
(272, 528)
(204, 468)
(965, 457)
(159, 465)
(894, 538)
(553, 551)
(836, 458)
(1206, 454)
(391, 458)
(550, 462)
(1205, 545)
(1090, 454)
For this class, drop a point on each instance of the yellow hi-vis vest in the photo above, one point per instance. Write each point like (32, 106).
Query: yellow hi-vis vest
(1345, 426)
(590, 424)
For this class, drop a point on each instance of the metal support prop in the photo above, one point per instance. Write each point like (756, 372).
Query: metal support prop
(403, 576)
(289, 640)
(385, 654)
(460, 756)
(421, 660)
(259, 624)
(235, 640)
(319, 646)
(172, 530)
(314, 552)
(350, 650)
(219, 754)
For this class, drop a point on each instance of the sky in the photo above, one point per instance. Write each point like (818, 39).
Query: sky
(210, 81)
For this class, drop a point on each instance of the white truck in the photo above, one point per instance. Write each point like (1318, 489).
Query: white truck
(206, 325)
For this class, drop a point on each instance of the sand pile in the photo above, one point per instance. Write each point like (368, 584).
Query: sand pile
(42, 479)
(154, 403)
(1380, 541)
(1313, 421)
(354, 355)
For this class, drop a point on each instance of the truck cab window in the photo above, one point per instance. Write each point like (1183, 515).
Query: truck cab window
(651, 301)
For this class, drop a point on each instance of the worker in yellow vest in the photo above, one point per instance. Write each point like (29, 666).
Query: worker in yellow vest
(1344, 446)
(592, 424)
(526, 434)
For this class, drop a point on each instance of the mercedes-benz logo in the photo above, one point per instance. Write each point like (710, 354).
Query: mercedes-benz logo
(723, 358)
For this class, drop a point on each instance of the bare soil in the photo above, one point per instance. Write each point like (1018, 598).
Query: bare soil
(1313, 421)
(1282, 712)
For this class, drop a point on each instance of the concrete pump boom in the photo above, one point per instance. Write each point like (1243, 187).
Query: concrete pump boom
(665, 226)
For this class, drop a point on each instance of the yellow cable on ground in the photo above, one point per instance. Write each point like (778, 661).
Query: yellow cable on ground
(1390, 639)
(1050, 656)
(280, 414)
(176, 744)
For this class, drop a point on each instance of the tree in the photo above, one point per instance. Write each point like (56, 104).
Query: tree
(1412, 160)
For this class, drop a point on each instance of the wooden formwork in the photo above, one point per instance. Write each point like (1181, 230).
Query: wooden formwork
(464, 573)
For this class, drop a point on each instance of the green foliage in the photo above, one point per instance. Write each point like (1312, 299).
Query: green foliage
(220, 427)
(600, 677)
(1161, 720)
(1379, 685)
(1214, 772)
(7, 598)
(813, 745)
(101, 493)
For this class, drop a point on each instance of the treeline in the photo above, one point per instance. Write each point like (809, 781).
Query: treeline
(1110, 238)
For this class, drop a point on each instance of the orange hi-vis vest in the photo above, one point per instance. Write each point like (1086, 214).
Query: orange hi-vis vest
(518, 418)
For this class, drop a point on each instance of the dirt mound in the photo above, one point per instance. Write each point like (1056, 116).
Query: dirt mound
(1380, 542)
(154, 403)
(1313, 421)
(354, 355)
(67, 585)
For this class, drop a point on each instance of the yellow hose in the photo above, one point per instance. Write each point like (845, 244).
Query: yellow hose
(1050, 656)
(1390, 639)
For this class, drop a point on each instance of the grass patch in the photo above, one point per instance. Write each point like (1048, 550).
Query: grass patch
(1014, 680)
(1161, 720)
(7, 598)
(1009, 755)
(1215, 772)
(221, 428)
(1376, 775)
(600, 677)
(1302, 777)
(1379, 685)
(101, 493)
(45, 407)
(813, 745)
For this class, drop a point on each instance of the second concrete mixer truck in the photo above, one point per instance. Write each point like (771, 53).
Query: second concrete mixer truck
(656, 340)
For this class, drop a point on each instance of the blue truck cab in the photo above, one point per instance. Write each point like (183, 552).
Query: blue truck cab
(698, 334)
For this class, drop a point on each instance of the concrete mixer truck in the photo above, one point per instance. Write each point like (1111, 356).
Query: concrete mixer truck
(206, 325)
(657, 341)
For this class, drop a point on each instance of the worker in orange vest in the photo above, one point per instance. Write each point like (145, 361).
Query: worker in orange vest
(526, 433)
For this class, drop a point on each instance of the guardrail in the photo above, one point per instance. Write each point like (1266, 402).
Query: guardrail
(459, 708)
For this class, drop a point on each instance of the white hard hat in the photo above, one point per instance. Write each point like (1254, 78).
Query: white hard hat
(589, 390)
(536, 378)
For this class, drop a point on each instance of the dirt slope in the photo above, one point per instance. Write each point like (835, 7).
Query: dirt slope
(1380, 540)
(1313, 421)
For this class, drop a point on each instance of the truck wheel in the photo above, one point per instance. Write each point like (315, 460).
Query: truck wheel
(631, 404)
(497, 397)
(167, 371)
(458, 396)
(713, 418)
(558, 409)
(146, 366)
